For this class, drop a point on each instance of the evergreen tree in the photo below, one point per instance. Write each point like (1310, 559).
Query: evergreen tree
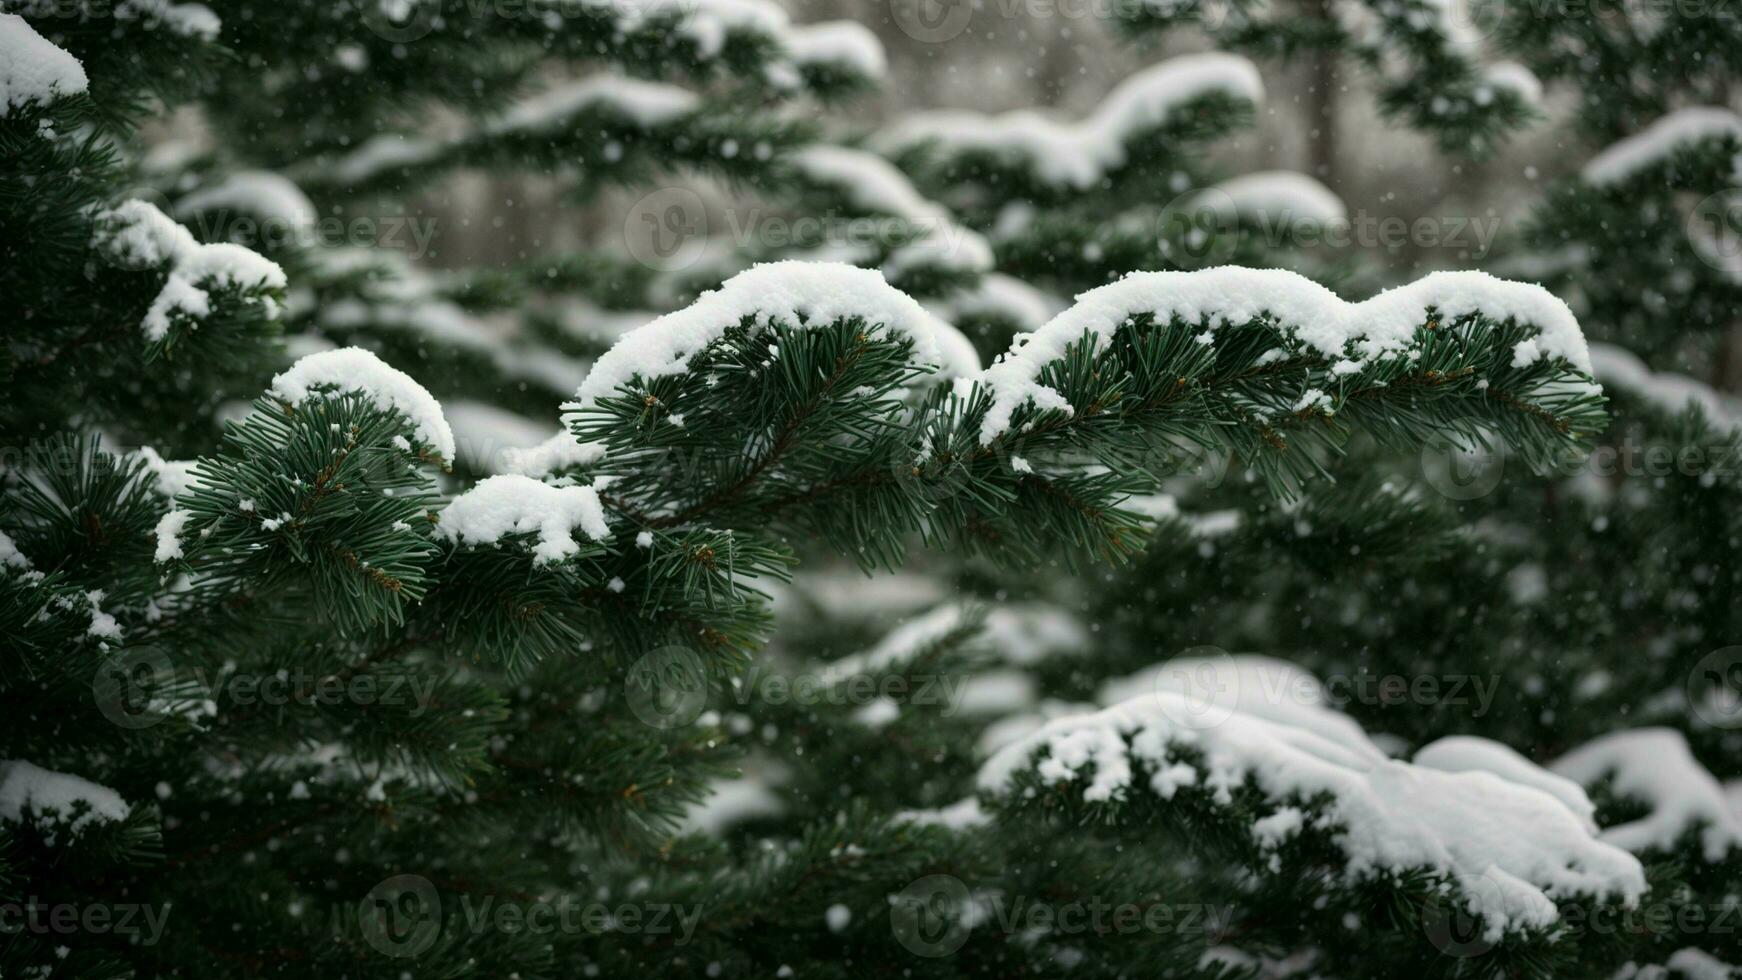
(330, 662)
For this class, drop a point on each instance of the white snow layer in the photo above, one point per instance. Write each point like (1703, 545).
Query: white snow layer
(1514, 849)
(645, 103)
(1002, 296)
(558, 452)
(1617, 367)
(1656, 142)
(1304, 310)
(1470, 753)
(25, 785)
(846, 43)
(873, 184)
(512, 504)
(10, 556)
(1279, 195)
(260, 193)
(485, 435)
(1654, 766)
(793, 293)
(1080, 153)
(353, 369)
(32, 70)
(136, 235)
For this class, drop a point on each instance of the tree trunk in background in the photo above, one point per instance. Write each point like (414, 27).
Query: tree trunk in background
(1321, 105)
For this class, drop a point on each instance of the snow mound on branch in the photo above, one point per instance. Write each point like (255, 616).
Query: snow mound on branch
(353, 369)
(32, 70)
(261, 193)
(173, 475)
(1658, 141)
(1618, 368)
(136, 235)
(1079, 154)
(46, 792)
(1514, 849)
(1654, 766)
(1302, 309)
(1515, 78)
(838, 42)
(645, 103)
(511, 504)
(560, 451)
(873, 184)
(791, 293)
(10, 556)
(1278, 195)
(1218, 684)
(1469, 753)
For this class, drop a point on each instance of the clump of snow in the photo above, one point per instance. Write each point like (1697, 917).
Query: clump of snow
(644, 103)
(560, 451)
(1281, 196)
(10, 556)
(169, 528)
(1654, 766)
(1655, 143)
(352, 369)
(791, 293)
(1303, 310)
(1216, 685)
(511, 504)
(67, 799)
(732, 801)
(872, 184)
(898, 645)
(136, 235)
(173, 475)
(1515, 78)
(1470, 753)
(846, 43)
(388, 151)
(1616, 367)
(1079, 154)
(963, 814)
(1521, 846)
(260, 193)
(34, 72)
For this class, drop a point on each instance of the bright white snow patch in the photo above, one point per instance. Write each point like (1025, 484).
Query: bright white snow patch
(1654, 766)
(353, 369)
(10, 556)
(644, 103)
(173, 475)
(560, 451)
(487, 437)
(1281, 197)
(1658, 141)
(32, 70)
(846, 43)
(511, 504)
(24, 785)
(1618, 368)
(169, 528)
(260, 193)
(136, 235)
(1470, 753)
(1001, 296)
(792, 293)
(1302, 309)
(1520, 847)
(1079, 154)
(873, 184)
